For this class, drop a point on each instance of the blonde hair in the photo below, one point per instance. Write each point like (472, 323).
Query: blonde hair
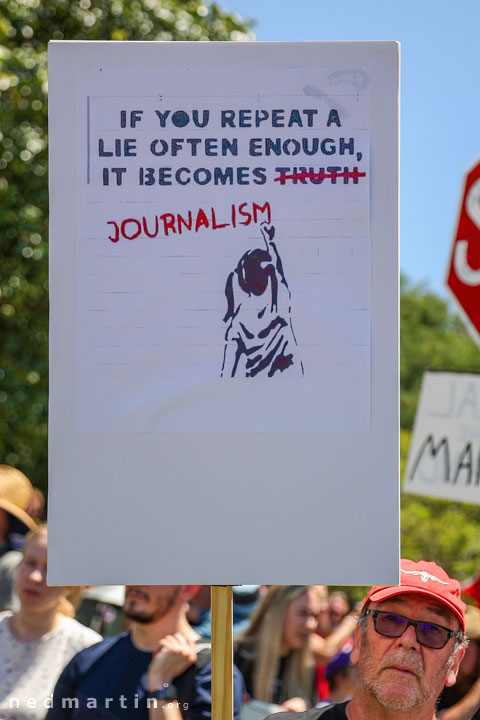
(67, 602)
(262, 640)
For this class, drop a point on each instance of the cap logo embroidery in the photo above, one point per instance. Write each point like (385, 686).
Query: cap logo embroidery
(424, 576)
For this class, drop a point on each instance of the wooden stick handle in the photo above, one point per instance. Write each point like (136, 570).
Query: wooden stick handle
(222, 652)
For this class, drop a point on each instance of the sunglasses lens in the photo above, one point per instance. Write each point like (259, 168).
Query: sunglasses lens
(428, 634)
(390, 624)
(432, 636)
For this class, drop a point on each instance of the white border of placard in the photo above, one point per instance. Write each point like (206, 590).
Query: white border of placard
(306, 504)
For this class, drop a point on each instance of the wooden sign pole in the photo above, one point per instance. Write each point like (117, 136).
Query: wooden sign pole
(222, 652)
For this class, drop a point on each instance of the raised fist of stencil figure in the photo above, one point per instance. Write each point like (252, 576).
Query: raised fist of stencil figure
(259, 339)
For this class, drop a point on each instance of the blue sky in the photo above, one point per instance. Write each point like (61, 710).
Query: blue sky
(440, 102)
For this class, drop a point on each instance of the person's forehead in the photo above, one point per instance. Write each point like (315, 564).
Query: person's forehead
(307, 600)
(408, 603)
(312, 601)
(36, 546)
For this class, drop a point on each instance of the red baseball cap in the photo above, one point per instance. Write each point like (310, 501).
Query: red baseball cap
(423, 578)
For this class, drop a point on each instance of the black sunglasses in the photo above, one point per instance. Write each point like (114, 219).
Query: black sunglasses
(428, 634)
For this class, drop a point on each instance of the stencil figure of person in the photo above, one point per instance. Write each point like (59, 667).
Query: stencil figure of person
(259, 339)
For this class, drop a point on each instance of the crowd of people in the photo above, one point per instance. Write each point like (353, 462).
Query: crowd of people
(300, 651)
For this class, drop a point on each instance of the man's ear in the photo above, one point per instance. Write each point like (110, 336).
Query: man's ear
(355, 654)
(453, 669)
(187, 592)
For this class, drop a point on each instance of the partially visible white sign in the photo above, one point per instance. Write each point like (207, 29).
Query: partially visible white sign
(444, 457)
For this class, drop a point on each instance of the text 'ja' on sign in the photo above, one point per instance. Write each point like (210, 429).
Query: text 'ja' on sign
(224, 335)
(444, 457)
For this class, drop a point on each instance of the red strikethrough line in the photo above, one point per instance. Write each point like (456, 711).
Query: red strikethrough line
(321, 175)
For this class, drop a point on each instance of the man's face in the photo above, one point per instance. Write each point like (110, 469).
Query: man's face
(148, 603)
(400, 673)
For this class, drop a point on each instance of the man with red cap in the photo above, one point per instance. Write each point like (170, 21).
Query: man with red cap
(409, 642)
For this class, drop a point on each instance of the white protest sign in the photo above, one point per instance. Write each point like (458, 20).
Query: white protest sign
(444, 456)
(215, 318)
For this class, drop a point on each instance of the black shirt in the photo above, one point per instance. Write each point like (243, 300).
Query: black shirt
(243, 660)
(332, 712)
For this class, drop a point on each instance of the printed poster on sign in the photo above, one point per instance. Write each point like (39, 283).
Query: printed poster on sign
(223, 276)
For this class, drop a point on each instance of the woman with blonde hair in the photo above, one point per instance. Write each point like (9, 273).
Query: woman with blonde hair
(39, 640)
(274, 654)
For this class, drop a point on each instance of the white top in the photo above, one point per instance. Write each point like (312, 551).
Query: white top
(30, 670)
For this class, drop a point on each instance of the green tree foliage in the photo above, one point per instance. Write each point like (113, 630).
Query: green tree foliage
(25, 28)
(439, 530)
(431, 338)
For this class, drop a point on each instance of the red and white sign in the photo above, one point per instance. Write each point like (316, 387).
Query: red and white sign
(463, 276)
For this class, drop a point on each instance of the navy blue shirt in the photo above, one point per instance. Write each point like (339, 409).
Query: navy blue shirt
(108, 681)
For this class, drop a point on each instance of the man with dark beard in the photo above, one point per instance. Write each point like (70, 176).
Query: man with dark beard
(409, 642)
(155, 671)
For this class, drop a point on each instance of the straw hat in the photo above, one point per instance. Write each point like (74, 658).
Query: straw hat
(16, 492)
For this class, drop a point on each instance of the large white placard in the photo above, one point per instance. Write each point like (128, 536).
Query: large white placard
(224, 310)
(444, 456)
